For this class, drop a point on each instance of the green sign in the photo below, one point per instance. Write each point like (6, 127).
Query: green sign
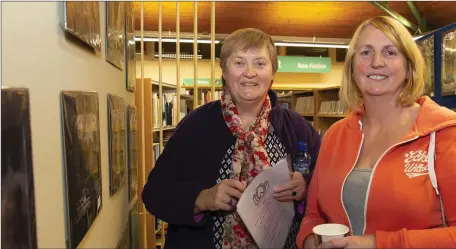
(297, 64)
(201, 81)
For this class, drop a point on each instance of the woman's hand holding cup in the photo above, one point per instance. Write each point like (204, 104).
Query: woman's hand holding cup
(325, 233)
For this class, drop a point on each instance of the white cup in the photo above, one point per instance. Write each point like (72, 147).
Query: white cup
(330, 231)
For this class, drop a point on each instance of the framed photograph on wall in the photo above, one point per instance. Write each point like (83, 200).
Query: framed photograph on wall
(124, 242)
(132, 153)
(82, 168)
(131, 46)
(117, 143)
(426, 47)
(82, 19)
(18, 191)
(134, 226)
(449, 63)
(115, 33)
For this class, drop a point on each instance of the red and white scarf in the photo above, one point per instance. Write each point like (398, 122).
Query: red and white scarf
(249, 158)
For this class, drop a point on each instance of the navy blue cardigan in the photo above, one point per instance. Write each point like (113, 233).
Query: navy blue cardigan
(190, 163)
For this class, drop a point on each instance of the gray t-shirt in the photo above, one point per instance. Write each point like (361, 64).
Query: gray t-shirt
(354, 197)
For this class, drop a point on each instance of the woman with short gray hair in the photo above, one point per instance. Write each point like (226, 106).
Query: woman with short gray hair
(219, 148)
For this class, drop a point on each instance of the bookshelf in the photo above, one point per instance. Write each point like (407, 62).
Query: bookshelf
(303, 102)
(321, 107)
(161, 116)
(204, 96)
(201, 87)
(328, 108)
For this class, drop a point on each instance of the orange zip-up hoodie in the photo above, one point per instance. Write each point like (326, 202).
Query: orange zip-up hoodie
(402, 207)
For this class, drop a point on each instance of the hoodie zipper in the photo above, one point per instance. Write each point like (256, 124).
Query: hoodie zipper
(343, 183)
(372, 176)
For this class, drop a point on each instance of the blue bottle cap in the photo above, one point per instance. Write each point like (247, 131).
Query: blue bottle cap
(302, 146)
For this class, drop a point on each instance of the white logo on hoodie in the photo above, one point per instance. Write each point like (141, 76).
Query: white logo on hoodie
(416, 163)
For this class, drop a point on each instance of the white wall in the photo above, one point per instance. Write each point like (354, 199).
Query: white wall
(36, 55)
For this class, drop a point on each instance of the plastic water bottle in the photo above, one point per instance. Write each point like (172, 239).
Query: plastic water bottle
(302, 160)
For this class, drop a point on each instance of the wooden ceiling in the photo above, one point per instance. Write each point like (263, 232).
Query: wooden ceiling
(297, 19)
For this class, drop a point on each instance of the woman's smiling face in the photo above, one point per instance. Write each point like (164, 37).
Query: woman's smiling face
(379, 68)
(249, 75)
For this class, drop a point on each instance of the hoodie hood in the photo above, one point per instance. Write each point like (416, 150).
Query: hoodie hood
(432, 117)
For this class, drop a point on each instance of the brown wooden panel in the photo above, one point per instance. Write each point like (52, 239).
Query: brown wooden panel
(301, 19)
(139, 124)
(438, 14)
(149, 154)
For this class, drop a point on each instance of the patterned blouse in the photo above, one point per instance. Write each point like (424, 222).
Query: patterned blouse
(276, 151)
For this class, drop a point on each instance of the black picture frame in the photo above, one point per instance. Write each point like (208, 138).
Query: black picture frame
(82, 167)
(124, 241)
(134, 226)
(18, 190)
(132, 153)
(117, 132)
(82, 20)
(426, 47)
(115, 34)
(448, 69)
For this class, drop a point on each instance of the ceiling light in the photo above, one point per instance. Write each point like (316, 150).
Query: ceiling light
(173, 56)
(175, 40)
(310, 45)
(417, 37)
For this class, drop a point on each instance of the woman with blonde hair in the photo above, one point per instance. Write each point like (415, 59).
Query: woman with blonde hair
(218, 149)
(386, 171)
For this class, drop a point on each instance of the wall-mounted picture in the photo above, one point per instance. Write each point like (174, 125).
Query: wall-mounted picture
(82, 19)
(18, 192)
(117, 143)
(82, 169)
(132, 153)
(131, 46)
(449, 63)
(426, 47)
(115, 33)
(124, 242)
(134, 226)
